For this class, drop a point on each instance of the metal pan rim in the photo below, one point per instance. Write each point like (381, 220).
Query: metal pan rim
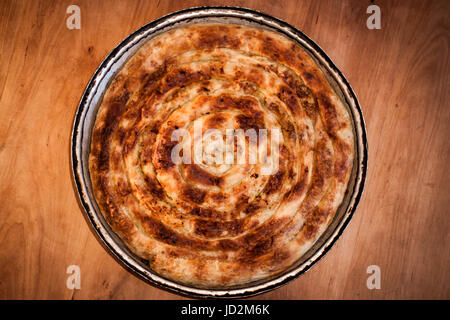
(93, 92)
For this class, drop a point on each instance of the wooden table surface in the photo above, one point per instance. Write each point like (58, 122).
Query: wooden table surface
(399, 73)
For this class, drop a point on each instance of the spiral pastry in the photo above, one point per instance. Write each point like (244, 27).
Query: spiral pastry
(195, 219)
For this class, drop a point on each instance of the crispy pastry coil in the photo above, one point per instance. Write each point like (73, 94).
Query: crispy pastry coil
(217, 225)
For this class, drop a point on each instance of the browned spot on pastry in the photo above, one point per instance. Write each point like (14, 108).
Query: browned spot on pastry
(274, 108)
(262, 246)
(149, 80)
(290, 129)
(218, 197)
(342, 163)
(332, 123)
(215, 120)
(299, 187)
(246, 122)
(241, 203)
(323, 168)
(274, 183)
(303, 91)
(164, 152)
(307, 75)
(293, 82)
(279, 256)
(212, 39)
(264, 231)
(154, 187)
(179, 77)
(122, 225)
(193, 194)
(123, 187)
(200, 270)
(215, 228)
(146, 155)
(228, 102)
(311, 109)
(166, 235)
(117, 107)
(205, 213)
(314, 221)
(115, 159)
(251, 208)
(227, 244)
(248, 87)
(275, 52)
(290, 98)
(121, 133)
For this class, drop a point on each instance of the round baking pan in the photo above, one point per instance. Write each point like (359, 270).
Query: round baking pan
(92, 98)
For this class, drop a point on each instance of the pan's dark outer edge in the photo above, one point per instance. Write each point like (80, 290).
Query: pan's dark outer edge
(82, 106)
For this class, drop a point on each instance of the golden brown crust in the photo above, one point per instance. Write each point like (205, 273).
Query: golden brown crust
(207, 225)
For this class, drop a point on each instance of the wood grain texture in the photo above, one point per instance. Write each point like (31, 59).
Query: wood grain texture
(399, 73)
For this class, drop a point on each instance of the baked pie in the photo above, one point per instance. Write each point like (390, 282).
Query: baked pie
(220, 154)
